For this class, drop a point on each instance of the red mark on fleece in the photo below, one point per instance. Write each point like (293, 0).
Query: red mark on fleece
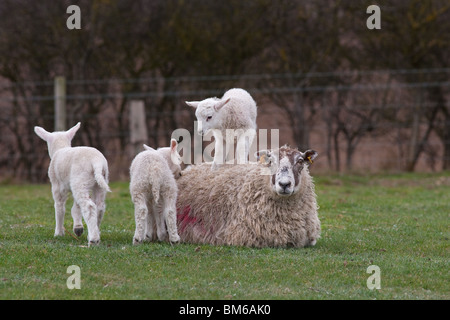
(184, 219)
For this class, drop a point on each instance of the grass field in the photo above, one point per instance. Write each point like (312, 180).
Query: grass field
(399, 223)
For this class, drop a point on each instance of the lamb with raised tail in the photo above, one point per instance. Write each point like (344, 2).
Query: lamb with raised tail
(236, 110)
(154, 193)
(84, 172)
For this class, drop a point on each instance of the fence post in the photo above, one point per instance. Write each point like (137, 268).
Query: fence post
(60, 104)
(138, 126)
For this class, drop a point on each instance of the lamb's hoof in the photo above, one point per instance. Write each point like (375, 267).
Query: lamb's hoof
(78, 231)
(94, 243)
(174, 240)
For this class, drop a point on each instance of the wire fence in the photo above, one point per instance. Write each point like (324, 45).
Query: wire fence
(373, 120)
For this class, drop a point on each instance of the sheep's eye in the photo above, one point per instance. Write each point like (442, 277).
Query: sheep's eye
(208, 118)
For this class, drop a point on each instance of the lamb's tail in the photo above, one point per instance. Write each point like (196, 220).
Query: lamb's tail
(101, 176)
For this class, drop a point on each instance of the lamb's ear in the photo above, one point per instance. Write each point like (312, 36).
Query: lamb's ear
(71, 132)
(173, 145)
(193, 104)
(42, 133)
(174, 155)
(219, 105)
(263, 156)
(146, 147)
(309, 155)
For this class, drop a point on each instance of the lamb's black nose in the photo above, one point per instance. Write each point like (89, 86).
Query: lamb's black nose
(284, 185)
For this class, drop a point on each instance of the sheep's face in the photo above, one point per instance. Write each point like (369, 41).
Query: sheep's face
(286, 166)
(208, 113)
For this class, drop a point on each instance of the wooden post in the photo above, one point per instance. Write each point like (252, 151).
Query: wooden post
(138, 126)
(60, 104)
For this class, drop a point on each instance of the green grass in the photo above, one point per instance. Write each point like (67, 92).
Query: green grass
(397, 222)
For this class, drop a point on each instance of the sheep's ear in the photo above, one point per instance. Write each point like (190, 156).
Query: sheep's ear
(193, 104)
(42, 133)
(173, 145)
(263, 156)
(174, 155)
(309, 155)
(71, 132)
(146, 147)
(219, 105)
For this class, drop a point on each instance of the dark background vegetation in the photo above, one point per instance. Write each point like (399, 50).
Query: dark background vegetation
(365, 99)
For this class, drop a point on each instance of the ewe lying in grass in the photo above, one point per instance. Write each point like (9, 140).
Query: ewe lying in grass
(269, 204)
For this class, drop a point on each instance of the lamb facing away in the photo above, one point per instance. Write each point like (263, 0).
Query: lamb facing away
(241, 205)
(235, 110)
(82, 170)
(154, 192)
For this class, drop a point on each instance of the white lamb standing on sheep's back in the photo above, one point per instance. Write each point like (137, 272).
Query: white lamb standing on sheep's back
(84, 172)
(154, 193)
(236, 110)
(269, 204)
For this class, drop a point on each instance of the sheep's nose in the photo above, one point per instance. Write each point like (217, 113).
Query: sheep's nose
(284, 185)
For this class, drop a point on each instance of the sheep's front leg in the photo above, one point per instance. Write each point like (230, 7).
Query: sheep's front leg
(77, 219)
(60, 198)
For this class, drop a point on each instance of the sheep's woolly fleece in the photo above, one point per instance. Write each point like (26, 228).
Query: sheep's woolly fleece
(235, 205)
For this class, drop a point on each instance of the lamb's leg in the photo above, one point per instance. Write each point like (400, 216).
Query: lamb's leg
(89, 213)
(140, 216)
(219, 155)
(60, 198)
(77, 219)
(99, 199)
(150, 234)
(244, 142)
(160, 222)
(248, 144)
(170, 217)
(229, 146)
